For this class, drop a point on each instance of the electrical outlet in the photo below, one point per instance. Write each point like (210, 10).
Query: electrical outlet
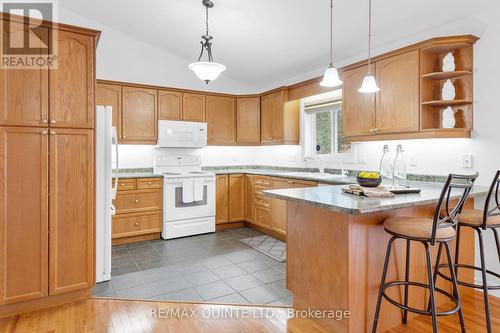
(467, 161)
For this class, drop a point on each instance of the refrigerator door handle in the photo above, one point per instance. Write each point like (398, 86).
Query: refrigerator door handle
(114, 140)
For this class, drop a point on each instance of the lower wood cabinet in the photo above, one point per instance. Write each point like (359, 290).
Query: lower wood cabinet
(24, 213)
(139, 210)
(71, 223)
(230, 198)
(47, 246)
(240, 197)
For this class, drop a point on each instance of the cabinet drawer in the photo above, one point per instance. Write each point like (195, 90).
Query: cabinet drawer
(136, 224)
(262, 216)
(149, 183)
(259, 189)
(126, 184)
(138, 202)
(262, 180)
(262, 201)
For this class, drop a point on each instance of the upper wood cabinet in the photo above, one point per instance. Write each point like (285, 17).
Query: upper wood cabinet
(71, 264)
(280, 120)
(266, 118)
(222, 199)
(139, 115)
(221, 120)
(398, 106)
(111, 95)
(358, 110)
(236, 198)
(23, 213)
(72, 103)
(169, 105)
(248, 120)
(193, 107)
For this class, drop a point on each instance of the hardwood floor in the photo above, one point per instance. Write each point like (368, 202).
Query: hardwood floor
(106, 315)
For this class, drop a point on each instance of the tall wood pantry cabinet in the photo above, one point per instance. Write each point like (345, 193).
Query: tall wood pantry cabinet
(47, 177)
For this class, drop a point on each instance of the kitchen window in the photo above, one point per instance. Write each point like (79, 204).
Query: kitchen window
(323, 130)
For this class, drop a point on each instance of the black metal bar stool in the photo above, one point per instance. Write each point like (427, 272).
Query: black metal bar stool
(427, 231)
(479, 220)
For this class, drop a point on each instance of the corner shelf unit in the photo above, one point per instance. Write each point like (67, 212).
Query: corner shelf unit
(432, 79)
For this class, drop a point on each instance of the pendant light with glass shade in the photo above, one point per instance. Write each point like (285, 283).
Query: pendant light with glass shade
(331, 77)
(207, 70)
(369, 85)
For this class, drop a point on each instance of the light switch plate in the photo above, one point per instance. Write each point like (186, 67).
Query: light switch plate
(467, 161)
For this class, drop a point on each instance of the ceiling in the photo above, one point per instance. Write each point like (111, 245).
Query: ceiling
(272, 40)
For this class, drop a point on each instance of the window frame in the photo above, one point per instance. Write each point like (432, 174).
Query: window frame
(309, 135)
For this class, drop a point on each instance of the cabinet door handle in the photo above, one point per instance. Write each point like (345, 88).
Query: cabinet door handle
(44, 133)
(122, 184)
(52, 133)
(136, 200)
(136, 223)
(44, 121)
(52, 121)
(149, 183)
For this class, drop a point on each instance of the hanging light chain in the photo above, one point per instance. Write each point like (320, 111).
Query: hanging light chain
(331, 33)
(206, 19)
(369, 35)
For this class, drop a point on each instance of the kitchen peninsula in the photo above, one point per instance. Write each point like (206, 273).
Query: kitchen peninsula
(336, 245)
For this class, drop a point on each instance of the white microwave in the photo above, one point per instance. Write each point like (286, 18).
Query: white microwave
(182, 134)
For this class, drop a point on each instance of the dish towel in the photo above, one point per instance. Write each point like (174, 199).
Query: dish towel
(371, 192)
(187, 190)
(198, 189)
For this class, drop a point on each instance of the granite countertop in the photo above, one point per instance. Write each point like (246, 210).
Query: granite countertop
(332, 198)
(136, 173)
(330, 178)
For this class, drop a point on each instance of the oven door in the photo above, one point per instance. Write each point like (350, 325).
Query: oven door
(174, 209)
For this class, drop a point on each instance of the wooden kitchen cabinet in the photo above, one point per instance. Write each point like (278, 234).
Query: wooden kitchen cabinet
(358, 110)
(193, 107)
(111, 95)
(23, 214)
(221, 120)
(139, 115)
(278, 207)
(169, 105)
(139, 210)
(222, 199)
(248, 120)
(71, 241)
(249, 198)
(280, 120)
(236, 198)
(72, 103)
(398, 103)
(23, 92)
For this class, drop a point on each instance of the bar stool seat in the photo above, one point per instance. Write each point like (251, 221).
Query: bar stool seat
(417, 227)
(475, 217)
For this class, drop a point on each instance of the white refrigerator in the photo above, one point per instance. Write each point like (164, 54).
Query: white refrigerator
(106, 146)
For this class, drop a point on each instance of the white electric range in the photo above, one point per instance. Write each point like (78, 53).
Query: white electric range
(188, 196)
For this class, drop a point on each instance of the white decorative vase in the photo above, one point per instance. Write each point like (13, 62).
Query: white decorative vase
(449, 63)
(448, 120)
(448, 91)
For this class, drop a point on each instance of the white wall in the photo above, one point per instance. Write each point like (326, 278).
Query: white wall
(123, 58)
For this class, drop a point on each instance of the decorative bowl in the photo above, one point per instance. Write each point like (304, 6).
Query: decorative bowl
(369, 182)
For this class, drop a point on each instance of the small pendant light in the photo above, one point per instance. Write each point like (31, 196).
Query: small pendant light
(369, 85)
(207, 70)
(331, 77)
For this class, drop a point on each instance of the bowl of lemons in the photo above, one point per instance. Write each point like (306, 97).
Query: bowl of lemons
(369, 179)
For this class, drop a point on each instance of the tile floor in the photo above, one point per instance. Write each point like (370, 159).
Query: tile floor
(212, 267)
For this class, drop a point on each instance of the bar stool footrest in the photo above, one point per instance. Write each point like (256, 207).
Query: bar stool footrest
(467, 284)
(421, 285)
